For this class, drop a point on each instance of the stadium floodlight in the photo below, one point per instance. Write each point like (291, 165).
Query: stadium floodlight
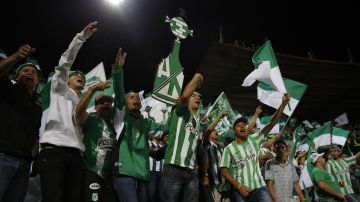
(114, 2)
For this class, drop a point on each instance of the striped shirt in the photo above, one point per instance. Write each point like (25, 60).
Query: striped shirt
(183, 137)
(154, 164)
(340, 172)
(243, 161)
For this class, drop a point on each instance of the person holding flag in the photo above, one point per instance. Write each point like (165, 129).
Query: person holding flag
(339, 169)
(242, 158)
(20, 118)
(60, 162)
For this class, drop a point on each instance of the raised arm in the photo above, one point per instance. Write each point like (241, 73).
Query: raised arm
(212, 127)
(190, 89)
(60, 78)
(7, 63)
(118, 79)
(83, 104)
(252, 123)
(275, 118)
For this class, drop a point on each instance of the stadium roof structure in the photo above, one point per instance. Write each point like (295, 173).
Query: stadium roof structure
(333, 87)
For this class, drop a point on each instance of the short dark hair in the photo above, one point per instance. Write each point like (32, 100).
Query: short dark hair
(238, 120)
(102, 98)
(281, 141)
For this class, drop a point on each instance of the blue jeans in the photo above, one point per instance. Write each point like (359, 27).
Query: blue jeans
(350, 198)
(179, 183)
(14, 178)
(261, 194)
(154, 186)
(130, 189)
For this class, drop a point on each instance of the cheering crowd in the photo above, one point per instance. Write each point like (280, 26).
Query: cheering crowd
(182, 159)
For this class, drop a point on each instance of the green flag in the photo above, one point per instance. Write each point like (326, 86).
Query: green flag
(266, 69)
(267, 95)
(169, 78)
(220, 105)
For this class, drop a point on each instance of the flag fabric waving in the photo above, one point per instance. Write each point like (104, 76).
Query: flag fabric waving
(266, 69)
(267, 95)
(221, 104)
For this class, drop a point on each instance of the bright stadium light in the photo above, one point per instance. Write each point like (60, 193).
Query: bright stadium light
(114, 2)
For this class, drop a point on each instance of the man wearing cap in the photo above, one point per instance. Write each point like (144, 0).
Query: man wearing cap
(99, 137)
(327, 188)
(20, 117)
(60, 164)
(180, 176)
(242, 157)
(339, 169)
(281, 176)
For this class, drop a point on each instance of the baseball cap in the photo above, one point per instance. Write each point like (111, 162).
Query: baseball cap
(315, 156)
(240, 119)
(100, 99)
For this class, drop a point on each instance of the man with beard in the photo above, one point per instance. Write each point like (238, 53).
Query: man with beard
(339, 169)
(99, 137)
(20, 116)
(60, 164)
(180, 176)
(242, 158)
(281, 177)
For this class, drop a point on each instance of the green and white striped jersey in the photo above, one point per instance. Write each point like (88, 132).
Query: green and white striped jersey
(339, 171)
(183, 137)
(243, 161)
(99, 140)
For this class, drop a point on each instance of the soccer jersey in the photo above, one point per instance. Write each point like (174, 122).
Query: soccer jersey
(243, 161)
(155, 165)
(183, 137)
(340, 172)
(99, 140)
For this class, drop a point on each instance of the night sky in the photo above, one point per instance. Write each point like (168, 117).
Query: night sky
(138, 26)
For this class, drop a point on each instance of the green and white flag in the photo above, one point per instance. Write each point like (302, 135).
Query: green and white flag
(266, 69)
(267, 95)
(95, 75)
(263, 121)
(169, 78)
(296, 138)
(323, 136)
(220, 105)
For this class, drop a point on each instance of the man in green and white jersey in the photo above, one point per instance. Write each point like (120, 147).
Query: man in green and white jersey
(241, 157)
(99, 137)
(180, 178)
(133, 173)
(339, 170)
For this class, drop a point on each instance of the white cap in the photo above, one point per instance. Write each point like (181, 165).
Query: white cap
(315, 156)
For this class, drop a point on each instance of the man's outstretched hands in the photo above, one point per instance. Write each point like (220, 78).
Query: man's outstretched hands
(90, 29)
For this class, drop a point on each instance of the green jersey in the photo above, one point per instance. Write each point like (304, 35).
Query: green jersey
(133, 152)
(243, 161)
(339, 170)
(183, 137)
(319, 174)
(99, 140)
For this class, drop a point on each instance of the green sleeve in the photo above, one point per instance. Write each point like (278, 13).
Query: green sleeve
(156, 129)
(118, 83)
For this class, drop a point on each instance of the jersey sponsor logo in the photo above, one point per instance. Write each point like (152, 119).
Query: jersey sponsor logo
(192, 129)
(94, 197)
(94, 186)
(105, 143)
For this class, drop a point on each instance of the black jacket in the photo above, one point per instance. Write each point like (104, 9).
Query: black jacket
(20, 119)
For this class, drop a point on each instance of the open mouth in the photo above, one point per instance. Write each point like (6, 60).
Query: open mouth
(30, 78)
(80, 81)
